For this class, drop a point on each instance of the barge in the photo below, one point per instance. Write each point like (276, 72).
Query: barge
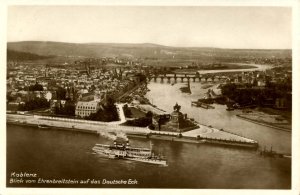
(202, 105)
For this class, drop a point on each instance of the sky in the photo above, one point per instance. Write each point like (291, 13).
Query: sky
(196, 26)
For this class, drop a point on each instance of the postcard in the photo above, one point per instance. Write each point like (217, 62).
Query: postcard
(175, 96)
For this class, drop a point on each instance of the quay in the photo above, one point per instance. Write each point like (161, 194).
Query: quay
(203, 134)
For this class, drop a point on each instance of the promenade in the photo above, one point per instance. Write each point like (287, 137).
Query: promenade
(213, 133)
(86, 126)
(103, 128)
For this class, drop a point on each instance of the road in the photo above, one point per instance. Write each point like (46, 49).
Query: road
(121, 113)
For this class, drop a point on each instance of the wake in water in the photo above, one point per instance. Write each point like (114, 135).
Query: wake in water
(119, 134)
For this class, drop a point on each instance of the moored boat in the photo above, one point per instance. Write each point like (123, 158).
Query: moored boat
(43, 126)
(202, 105)
(229, 108)
(273, 154)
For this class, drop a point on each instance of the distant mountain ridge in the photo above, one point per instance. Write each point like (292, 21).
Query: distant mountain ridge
(137, 50)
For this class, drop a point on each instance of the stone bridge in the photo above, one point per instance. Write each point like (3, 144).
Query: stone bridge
(188, 77)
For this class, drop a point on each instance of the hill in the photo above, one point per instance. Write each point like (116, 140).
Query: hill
(152, 53)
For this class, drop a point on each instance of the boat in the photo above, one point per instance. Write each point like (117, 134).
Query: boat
(43, 126)
(202, 105)
(238, 106)
(229, 108)
(124, 151)
(271, 153)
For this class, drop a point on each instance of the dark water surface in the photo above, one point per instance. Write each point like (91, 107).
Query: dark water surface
(68, 155)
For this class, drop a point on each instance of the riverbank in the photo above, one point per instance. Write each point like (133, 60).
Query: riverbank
(284, 113)
(207, 134)
(261, 122)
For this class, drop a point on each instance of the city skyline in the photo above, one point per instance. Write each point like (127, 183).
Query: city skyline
(183, 26)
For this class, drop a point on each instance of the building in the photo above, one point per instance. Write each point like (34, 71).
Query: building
(84, 109)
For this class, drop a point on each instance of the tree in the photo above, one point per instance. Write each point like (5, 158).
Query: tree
(34, 104)
(61, 93)
(142, 77)
(151, 126)
(9, 97)
(127, 111)
(229, 90)
(107, 114)
(92, 88)
(140, 122)
(68, 109)
(36, 87)
(149, 114)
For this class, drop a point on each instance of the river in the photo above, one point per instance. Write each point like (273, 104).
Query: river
(165, 96)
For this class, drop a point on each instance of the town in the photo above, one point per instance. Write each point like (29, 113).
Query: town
(89, 88)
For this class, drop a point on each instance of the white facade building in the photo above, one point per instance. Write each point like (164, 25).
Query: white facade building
(84, 109)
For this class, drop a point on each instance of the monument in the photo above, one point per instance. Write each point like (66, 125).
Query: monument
(176, 122)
